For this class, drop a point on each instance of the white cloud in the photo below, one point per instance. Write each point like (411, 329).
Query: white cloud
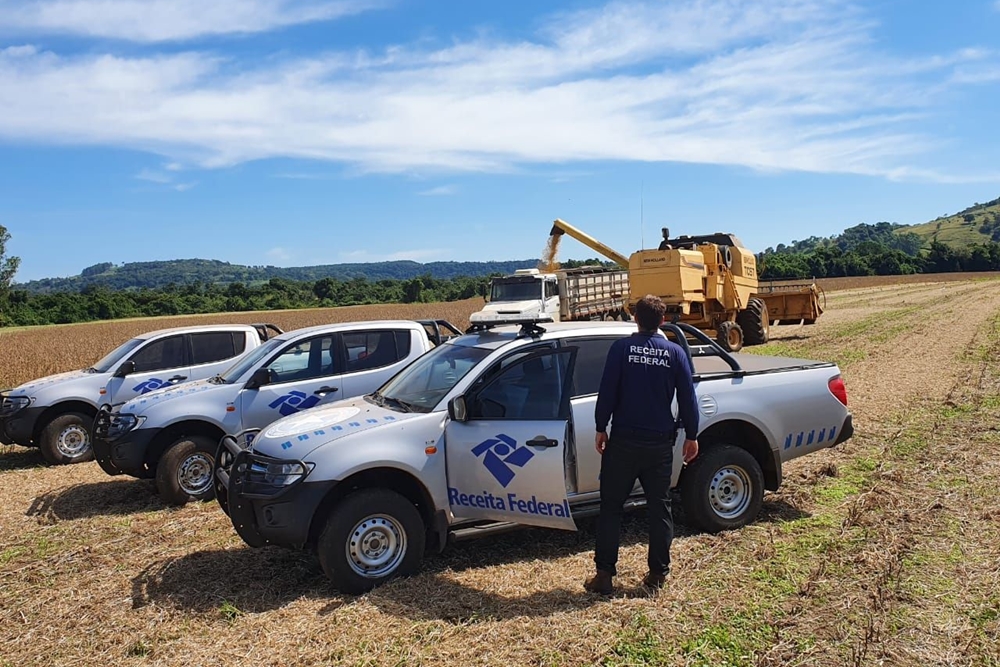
(167, 20)
(439, 191)
(154, 176)
(279, 254)
(765, 84)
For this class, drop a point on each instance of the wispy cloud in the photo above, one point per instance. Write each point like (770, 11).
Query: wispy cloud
(166, 177)
(766, 84)
(154, 176)
(279, 254)
(167, 20)
(439, 191)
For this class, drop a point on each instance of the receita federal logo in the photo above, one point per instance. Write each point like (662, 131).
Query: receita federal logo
(292, 402)
(499, 454)
(149, 385)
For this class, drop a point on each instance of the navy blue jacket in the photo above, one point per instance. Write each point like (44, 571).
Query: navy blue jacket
(640, 377)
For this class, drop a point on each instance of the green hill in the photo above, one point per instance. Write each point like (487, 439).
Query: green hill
(977, 224)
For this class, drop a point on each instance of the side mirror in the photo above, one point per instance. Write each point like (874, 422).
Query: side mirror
(260, 377)
(457, 409)
(127, 368)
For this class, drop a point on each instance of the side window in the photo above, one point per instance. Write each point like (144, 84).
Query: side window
(551, 289)
(402, 344)
(530, 388)
(160, 354)
(371, 349)
(214, 346)
(309, 359)
(590, 360)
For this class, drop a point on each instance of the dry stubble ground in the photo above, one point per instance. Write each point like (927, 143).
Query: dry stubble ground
(882, 551)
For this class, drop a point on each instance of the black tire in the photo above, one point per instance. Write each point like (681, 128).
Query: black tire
(185, 471)
(753, 320)
(389, 522)
(730, 336)
(66, 439)
(722, 489)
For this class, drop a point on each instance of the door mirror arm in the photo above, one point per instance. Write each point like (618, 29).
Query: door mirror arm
(458, 409)
(260, 378)
(127, 368)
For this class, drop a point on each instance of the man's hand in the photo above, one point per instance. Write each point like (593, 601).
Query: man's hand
(690, 450)
(600, 442)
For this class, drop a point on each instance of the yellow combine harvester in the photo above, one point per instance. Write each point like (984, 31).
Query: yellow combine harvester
(710, 282)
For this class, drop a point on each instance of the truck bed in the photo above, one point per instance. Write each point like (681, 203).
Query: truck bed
(753, 363)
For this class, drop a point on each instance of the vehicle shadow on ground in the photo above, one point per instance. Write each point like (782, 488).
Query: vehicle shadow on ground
(81, 501)
(13, 457)
(258, 580)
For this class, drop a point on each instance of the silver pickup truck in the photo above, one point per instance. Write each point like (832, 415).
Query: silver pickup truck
(54, 413)
(495, 429)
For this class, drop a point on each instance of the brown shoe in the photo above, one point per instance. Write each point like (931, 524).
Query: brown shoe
(654, 581)
(600, 583)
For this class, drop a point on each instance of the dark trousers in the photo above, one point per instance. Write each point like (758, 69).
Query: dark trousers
(626, 459)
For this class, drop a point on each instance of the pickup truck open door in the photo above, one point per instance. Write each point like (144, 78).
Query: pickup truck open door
(506, 443)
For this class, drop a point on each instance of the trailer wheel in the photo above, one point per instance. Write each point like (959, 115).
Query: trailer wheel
(370, 537)
(730, 336)
(754, 322)
(186, 471)
(722, 489)
(66, 439)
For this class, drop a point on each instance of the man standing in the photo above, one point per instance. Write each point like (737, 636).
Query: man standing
(641, 375)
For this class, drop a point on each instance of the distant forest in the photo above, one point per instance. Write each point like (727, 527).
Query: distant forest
(105, 291)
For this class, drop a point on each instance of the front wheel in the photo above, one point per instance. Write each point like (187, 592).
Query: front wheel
(372, 536)
(185, 471)
(66, 439)
(722, 489)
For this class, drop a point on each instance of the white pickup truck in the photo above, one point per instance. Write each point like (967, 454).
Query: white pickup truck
(54, 413)
(172, 435)
(495, 429)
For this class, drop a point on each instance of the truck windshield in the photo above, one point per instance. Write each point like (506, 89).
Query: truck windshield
(421, 386)
(237, 370)
(116, 355)
(516, 290)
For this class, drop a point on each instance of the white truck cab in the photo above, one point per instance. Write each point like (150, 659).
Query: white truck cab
(172, 435)
(495, 430)
(55, 413)
(526, 296)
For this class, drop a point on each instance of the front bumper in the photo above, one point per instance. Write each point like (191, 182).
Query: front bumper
(125, 455)
(19, 427)
(264, 513)
(846, 431)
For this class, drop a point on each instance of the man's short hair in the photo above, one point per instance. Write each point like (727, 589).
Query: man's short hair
(649, 312)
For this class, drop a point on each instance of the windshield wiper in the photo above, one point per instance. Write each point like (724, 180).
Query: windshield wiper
(217, 379)
(402, 405)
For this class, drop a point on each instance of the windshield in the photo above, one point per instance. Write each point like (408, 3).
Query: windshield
(516, 290)
(421, 386)
(116, 355)
(237, 370)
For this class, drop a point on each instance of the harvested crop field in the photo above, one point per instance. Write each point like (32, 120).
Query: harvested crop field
(883, 551)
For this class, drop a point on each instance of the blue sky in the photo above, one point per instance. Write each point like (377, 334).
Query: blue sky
(296, 132)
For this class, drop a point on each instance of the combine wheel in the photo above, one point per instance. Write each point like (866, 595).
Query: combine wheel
(754, 322)
(730, 336)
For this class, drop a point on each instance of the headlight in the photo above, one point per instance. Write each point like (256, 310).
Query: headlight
(122, 424)
(13, 404)
(280, 474)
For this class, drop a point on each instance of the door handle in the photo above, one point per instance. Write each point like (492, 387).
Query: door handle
(323, 391)
(177, 378)
(542, 441)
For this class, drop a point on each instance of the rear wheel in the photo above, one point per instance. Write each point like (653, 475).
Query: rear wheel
(753, 320)
(722, 489)
(66, 439)
(371, 536)
(730, 336)
(185, 471)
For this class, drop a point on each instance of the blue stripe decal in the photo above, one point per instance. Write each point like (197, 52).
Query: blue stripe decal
(788, 441)
(833, 432)
(303, 437)
(286, 445)
(320, 432)
(812, 436)
(338, 428)
(372, 421)
(822, 436)
(390, 418)
(798, 440)
(354, 424)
